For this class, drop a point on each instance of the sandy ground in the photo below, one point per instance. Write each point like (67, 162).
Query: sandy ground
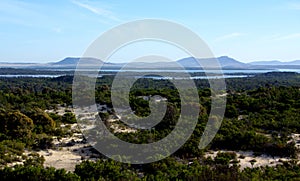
(67, 158)
(68, 151)
(72, 150)
(244, 158)
(60, 159)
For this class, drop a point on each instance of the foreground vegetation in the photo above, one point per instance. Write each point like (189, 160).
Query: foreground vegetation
(261, 115)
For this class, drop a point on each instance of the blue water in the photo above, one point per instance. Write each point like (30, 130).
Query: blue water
(28, 75)
(194, 77)
(227, 73)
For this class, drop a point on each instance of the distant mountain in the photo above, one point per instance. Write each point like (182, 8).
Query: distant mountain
(226, 61)
(16, 65)
(272, 62)
(276, 63)
(190, 62)
(73, 61)
(295, 62)
(67, 61)
(223, 61)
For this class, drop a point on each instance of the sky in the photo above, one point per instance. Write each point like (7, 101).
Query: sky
(48, 31)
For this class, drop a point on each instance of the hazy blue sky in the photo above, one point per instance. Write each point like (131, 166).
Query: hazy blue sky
(43, 31)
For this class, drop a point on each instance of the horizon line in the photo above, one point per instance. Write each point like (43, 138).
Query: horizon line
(120, 62)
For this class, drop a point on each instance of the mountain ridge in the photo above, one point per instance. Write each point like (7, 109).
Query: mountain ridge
(188, 62)
(275, 62)
(224, 61)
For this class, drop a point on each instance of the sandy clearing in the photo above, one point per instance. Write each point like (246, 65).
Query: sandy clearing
(68, 156)
(244, 158)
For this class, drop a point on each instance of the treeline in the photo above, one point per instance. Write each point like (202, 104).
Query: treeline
(258, 119)
(24, 124)
(261, 114)
(223, 167)
(20, 72)
(32, 130)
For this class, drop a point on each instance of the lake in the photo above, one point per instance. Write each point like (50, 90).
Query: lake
(228, 73)
(225, 71)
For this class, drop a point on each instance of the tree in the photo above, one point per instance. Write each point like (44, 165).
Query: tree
(252, 162)
(16, 125)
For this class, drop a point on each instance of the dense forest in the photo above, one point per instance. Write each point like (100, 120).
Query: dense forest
(262, 113)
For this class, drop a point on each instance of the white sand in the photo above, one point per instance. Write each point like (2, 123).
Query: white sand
(68, 156)
(262, 160)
